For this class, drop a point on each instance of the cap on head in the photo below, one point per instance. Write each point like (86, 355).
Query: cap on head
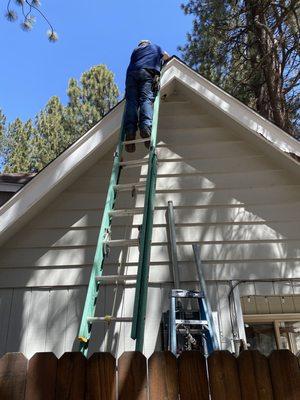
(144, 42)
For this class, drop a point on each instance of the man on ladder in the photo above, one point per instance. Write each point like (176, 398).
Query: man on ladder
(142, 85)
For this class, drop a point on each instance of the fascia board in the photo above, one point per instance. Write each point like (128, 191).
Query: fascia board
(233, 108)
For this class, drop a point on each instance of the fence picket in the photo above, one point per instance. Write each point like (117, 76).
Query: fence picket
(285, 375)
(71, 375)
(163, 376)
(251, 376)
(13, 370)
(223, 376)
(132, 371)
(192, 376)
(255, 376)
(41, 377)
(101, 377)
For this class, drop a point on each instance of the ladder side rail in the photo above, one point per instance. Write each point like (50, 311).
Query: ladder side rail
(97, 268)
(204, 301)
(146, 261)
(142, 239)
(140, 299)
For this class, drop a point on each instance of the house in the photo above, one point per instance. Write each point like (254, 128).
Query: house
(233, 178)
(10, 183)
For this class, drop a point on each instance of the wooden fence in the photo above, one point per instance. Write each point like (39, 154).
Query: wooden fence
(251, 376)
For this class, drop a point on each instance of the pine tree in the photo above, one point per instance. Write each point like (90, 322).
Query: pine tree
(90, 99)
(50, 137)
(18, 147)
(251, 49)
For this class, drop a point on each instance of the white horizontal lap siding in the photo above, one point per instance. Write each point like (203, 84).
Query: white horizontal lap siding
(72, 220)
(248, 231)
(44, 276)
(228, 196)
(240, 205)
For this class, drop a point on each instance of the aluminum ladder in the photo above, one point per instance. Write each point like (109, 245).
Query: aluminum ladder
(105, 241)
(209, 337)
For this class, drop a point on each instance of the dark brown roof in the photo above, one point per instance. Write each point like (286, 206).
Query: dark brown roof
(20, 178)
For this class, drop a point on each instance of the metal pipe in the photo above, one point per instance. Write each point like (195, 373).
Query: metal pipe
(172, 326)
(206, 303)
(172, 238)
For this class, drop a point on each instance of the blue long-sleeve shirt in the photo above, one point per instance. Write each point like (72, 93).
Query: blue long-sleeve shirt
(149, 56)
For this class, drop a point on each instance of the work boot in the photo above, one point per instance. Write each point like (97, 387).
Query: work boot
(130, 148)
(145, 132)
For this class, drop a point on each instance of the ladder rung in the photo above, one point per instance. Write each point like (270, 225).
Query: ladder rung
(191, 321)
(134, 163)
(115, 278)
(129, 186)
(108, 319)
(143, 140)
(126, 212)
(122, 242)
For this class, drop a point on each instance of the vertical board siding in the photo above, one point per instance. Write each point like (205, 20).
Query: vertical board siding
(18, 325)
(5, 310)
(55, 333)
(239, 204)
(41, 320)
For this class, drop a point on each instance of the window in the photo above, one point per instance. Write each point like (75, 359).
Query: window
(261, 337)
(289, 335)
(266, 333)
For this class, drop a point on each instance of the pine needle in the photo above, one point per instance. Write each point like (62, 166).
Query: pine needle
(52, 36)
(31, 19)
(26, 25)
(11, 15)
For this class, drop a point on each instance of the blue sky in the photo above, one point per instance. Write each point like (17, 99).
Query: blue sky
(90, 32)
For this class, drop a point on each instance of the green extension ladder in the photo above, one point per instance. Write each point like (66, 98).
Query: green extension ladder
(104, 241)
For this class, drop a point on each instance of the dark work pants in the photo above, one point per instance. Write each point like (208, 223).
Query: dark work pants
(139, 101)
